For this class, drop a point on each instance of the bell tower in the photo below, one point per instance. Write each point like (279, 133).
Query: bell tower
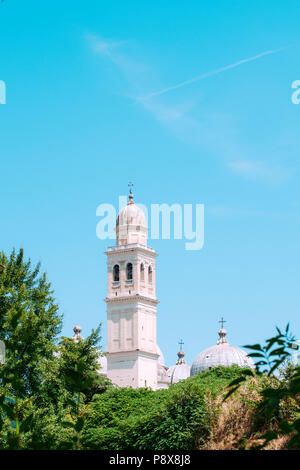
(131, 303)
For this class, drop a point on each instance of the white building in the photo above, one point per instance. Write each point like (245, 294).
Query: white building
(133, 358)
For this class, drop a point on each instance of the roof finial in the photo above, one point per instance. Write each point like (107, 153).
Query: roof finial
(77, 330)
(130, 193)
(180, 353)
(222, 333)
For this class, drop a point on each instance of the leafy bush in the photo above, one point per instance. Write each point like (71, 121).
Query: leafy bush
(178, 418)
(278, 410)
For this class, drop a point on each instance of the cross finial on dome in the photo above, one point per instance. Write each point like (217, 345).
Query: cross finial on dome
(180, 353)
(130, 193)
(222, 333)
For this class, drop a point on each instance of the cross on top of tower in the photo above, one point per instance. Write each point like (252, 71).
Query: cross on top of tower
(181, 343)
(130, 192)
(222, 321)
(130, 186)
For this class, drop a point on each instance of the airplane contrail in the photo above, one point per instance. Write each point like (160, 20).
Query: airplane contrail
(214, 72)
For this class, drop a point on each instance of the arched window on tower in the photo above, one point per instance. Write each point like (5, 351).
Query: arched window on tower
(116, 273)
(150, 274)
(129, 272)
(142, 272)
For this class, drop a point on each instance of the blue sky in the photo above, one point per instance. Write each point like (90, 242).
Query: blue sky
(83, 118)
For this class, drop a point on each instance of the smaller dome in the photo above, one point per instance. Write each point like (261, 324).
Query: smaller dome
(180, 371)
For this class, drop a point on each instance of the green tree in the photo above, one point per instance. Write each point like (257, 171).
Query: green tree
(29, 325)
(78, 367)
(29, 322)
(78, 374)
(44, 386)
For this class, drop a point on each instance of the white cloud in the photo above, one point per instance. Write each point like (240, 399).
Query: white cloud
(104, 47)
(215, 72)
(214, 132)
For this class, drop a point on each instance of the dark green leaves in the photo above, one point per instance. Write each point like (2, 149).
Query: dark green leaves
(274, 353)
(270, 357)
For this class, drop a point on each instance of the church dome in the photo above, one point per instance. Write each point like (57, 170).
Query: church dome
(180, 370)
(131, 226)
(221, 355)
(131, 214)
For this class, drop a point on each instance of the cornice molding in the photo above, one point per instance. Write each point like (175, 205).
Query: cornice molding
(130, 299)
(142, 352)
(128, 249)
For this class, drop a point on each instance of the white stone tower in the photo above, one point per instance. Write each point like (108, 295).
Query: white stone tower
(131, 303)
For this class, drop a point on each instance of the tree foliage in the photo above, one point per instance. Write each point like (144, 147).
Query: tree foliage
(29, 323)
(179, 418)
(43, 384)
(53, 397)
(281, 391)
